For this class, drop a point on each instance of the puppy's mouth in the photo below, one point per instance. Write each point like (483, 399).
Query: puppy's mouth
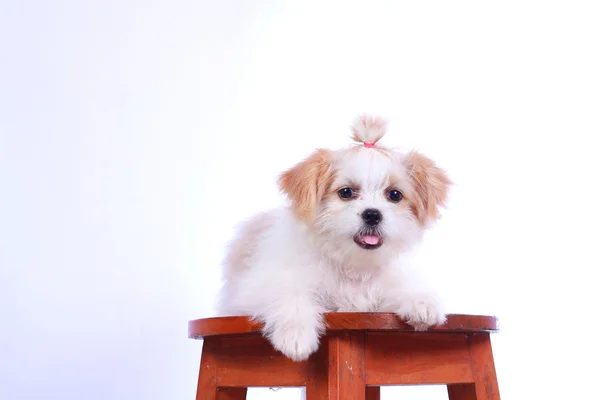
(368, 241)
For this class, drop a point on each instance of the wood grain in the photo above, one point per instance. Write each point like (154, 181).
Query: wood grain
(462, 391)
(347, 366)
(317, 381)
(207, 379)
(484, 371)
(417, 358)
(359, 353)
(373, 393)
(231, 393)
(252, 361)
(201, 328)
(339, 372)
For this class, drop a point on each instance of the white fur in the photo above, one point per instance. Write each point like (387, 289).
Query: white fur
(287, 272)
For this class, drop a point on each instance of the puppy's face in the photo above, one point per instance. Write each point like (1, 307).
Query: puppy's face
(365, 203)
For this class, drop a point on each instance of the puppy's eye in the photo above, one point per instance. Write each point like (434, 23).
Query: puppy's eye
(346, 193)
(394, 195)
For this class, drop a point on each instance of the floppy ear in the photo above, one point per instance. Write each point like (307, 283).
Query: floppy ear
(306, 183)
(430, 185)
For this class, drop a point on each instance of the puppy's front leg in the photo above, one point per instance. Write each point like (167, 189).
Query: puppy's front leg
(421, 310)
(294, 325)
(414, 301)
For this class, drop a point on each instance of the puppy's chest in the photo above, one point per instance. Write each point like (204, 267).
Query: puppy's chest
(351, 296)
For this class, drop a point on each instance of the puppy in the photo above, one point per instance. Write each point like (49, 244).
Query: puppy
(336, 247)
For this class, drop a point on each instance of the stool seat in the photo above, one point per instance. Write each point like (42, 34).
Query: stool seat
(359, 353)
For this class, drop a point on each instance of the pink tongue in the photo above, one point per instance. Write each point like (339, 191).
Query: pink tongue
(370, 239)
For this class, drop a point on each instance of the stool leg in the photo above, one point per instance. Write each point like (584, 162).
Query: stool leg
(207, 380)
(373, 393)
(463, 391)
(484, 371)
(231, 393)
(339, 369)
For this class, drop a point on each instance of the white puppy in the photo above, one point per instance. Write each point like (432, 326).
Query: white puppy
(337, 246)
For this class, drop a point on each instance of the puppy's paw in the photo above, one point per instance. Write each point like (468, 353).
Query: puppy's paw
(422, 312)
(296, 342)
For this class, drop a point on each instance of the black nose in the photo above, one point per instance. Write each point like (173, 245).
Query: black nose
(371, 216)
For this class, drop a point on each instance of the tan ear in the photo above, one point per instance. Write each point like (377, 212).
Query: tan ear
(431, 186)
(306, 183)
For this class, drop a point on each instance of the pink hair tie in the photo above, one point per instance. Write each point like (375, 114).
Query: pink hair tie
(369, 145)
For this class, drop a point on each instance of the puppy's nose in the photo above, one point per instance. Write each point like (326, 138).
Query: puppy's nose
(371, 216)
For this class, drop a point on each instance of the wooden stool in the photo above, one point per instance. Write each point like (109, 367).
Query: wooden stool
(359, 353)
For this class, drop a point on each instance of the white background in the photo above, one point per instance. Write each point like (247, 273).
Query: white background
(134, 135)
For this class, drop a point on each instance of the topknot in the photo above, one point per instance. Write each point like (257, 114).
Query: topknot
(368, 130)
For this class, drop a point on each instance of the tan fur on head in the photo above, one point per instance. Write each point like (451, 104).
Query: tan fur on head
(431, 186)
(366, 129)
(307, 183)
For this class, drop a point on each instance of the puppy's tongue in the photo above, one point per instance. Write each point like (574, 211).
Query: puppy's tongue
(371, 239)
